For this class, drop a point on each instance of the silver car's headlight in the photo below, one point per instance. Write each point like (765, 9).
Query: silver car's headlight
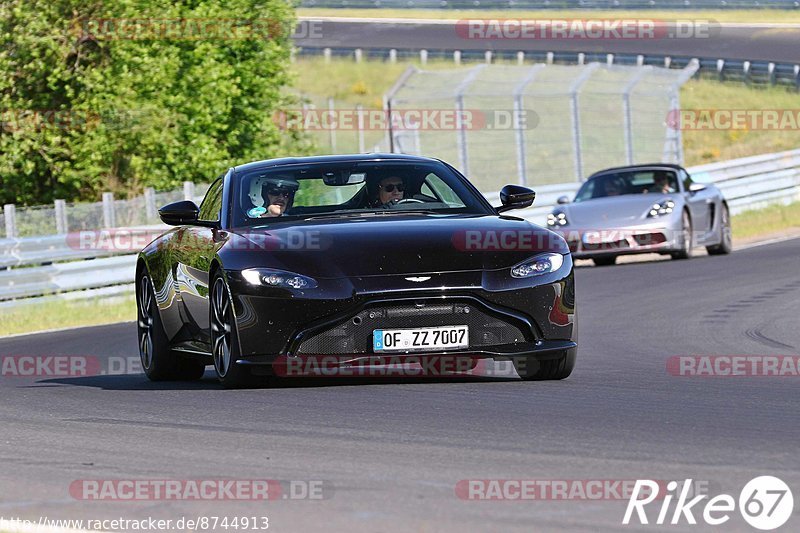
(665, 207)
(536, 266)
(278, 278)
(557, 218)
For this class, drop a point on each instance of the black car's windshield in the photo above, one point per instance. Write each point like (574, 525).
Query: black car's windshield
(660, 181)
(315, 190)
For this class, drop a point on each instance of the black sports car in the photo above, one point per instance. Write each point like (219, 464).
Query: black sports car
(359, 258)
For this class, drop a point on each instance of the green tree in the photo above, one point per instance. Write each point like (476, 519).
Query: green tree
(122, 94)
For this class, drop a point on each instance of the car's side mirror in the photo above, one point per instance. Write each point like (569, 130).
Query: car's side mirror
(182, 213)
(697, 187)
(563, 199)
(515, 197)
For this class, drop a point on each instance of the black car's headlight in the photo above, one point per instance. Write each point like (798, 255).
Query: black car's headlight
(536, 266)
(557, 218)
(278, 278)
(665, 207)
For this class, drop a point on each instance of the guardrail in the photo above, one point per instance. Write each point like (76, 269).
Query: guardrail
(683, 5)
(724, 69)
(747, 183)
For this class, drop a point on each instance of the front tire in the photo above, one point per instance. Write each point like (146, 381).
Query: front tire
(726, 244)
(687, 239)
(159, 362)
(224, 340)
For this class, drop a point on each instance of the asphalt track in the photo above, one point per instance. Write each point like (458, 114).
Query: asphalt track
(753, 42)
(391, 452)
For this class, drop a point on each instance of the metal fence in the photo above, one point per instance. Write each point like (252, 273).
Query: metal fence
(555, 4)
(749, 72)
(543, 123)
(62, 217)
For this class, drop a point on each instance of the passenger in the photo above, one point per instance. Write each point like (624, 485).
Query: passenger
(613, 188)
(278, 195)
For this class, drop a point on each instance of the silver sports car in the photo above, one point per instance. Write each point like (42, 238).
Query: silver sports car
(642, 209)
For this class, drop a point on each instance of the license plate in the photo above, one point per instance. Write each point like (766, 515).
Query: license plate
(437, 338)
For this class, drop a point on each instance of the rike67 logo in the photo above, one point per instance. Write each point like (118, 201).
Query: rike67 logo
(765, 502)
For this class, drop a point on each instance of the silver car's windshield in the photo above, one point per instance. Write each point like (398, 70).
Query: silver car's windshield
(658, 181)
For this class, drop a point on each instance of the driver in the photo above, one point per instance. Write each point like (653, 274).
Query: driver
(278, 195)
(660, 184)
(390, 191)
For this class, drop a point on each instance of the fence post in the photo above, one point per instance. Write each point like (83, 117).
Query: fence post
(550, 57)
(150, 204)
(581, 58)
(326, 53)
(609, 59)
(332, 115)
(393, 55)
(360, 115)
(488, 56)
(358, 55)
(575, 117)
(626, 110)
(520, 58)
(109, 220)
(423, 57)
(639, 60)
(188, 190)
(519, 90)
(457, 57)
(461, 132)
(61, 217)
(10, 215)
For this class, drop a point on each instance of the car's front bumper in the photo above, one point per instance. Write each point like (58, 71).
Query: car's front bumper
(653, 237)
(539, 313)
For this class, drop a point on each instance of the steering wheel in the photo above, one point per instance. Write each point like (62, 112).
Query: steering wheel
(409, 201)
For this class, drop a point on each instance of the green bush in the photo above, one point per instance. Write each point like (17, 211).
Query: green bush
(86, 108)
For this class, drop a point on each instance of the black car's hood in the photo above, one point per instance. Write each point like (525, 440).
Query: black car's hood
(391, 244)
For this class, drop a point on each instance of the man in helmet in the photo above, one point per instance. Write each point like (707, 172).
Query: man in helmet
(278, 195)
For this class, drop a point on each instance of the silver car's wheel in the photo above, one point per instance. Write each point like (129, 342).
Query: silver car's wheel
(221, 328)
(726, 238)
(687, 238)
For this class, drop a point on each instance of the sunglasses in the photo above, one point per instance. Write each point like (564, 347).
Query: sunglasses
(391, 187)
(279, 192)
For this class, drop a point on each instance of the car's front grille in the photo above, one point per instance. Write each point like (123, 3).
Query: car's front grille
(354, 334)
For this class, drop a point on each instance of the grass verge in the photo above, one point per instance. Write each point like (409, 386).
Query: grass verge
(768, 222)
(66, 314)
(743, 15)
